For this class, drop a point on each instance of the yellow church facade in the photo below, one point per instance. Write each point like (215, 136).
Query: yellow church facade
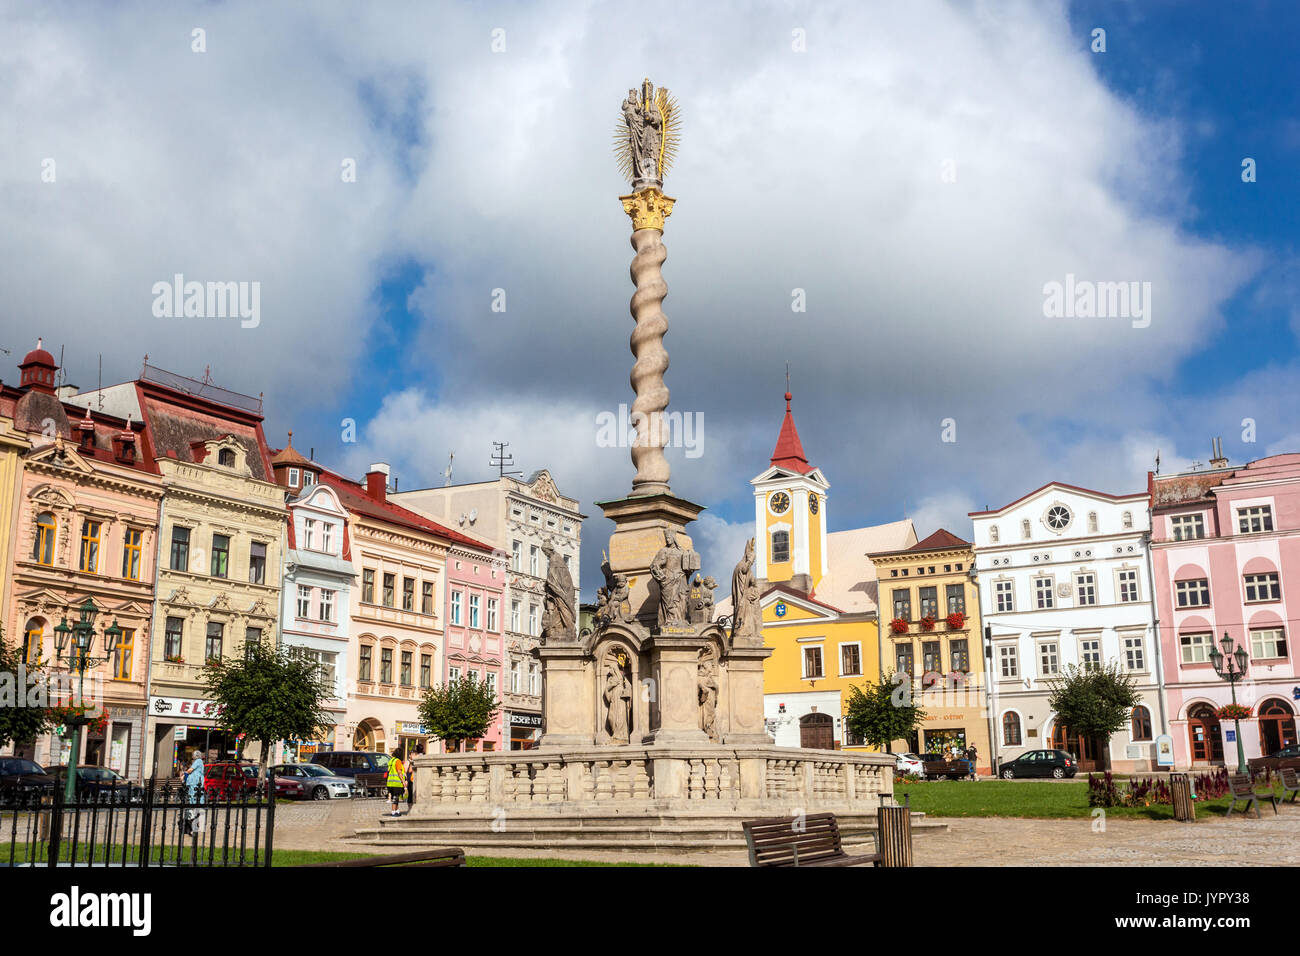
(819, 610)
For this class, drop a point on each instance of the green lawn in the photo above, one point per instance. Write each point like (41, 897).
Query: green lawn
(1028, 798)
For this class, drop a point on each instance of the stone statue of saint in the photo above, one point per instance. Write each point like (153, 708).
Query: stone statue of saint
(746, 624)
(618, 702)
(643, 134)
(708, 686)
(671, 569)
(701, 611)
(613, 603)
(559, 623)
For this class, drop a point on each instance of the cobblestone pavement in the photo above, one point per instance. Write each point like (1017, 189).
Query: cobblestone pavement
(969, 841)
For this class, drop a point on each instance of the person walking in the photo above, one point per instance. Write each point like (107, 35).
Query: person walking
(410, 777)
(195, 783)
(396, 778)
(971, 754)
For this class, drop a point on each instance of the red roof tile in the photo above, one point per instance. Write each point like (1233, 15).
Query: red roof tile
(788, 453)
(353, 496)
(938, 541)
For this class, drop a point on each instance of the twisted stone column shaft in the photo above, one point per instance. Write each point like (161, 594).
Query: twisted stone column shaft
(651, 363)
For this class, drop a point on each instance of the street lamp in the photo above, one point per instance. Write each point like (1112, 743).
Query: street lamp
(82, 634)
(1231, 666)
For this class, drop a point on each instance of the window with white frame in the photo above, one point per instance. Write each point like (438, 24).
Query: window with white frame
(309, 533)
(514, 677)
(1195, 648)
(455, 607)
(1049, 658)
(1187, 527)
(304, 601)
(491, 614)
(516, 556)
(514, 616)
(473, 610)
(1043, 597)
(534, 680)
(1194, 592)
(533, 559)
(490, 679)
(1128, 585)
(1267, 643)
(327, 537)
(453, 674)
(812, 663)
(1090, 653)
(1004, 595)
(1008, 662)
(532, 619)
(850, 660)
(1135, 657)
(1255, 519)
(1263, 587)
(293, 477)
(1085, 589)
(327, 605)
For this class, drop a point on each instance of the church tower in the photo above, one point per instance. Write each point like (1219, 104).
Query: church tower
(790, 514)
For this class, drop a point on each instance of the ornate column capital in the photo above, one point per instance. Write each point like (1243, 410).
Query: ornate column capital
(648, 208)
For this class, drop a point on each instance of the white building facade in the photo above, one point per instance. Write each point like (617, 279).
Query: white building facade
(317, 596)
(1064, 578)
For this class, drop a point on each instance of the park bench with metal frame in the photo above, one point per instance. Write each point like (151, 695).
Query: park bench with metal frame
(445, 856)
(1290, 783)
(811, 839)
(1243, 791)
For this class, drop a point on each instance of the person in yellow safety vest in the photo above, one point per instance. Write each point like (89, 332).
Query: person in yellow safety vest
(396, 780)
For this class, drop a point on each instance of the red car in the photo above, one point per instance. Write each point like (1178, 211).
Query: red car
(226, 781)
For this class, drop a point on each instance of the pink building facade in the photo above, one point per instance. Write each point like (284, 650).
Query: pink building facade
(475, 612)
(1226, 560)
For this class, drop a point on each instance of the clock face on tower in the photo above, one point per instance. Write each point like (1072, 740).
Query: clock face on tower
(812, 504)
(780, 503)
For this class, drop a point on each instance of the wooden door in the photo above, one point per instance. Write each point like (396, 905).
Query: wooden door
(817, 732)
(1203, 735)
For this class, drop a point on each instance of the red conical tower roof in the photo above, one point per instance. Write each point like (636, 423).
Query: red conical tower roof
(789, 450)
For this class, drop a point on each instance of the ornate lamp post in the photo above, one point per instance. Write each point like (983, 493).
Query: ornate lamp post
(82, 633)
(1231, 666)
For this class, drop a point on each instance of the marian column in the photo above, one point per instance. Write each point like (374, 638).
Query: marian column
(645, 143)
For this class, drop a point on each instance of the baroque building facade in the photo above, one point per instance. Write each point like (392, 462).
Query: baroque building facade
(518, 518)
(1065, 579)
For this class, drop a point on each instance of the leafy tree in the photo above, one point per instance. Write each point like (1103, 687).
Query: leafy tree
(885, 712)
(270, 694)
(19, 722)
(461, 709)
(1093, 702)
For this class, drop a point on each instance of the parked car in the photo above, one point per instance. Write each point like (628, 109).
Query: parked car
(1286, 757)
(369, 769)
(317, 782)
(1040, 763)
(909, 763)
(228, 779)
(19, 776)
(100, 785)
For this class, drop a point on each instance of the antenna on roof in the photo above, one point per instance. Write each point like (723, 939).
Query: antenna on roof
(63, 376)
(446, 474)
(500, 460)
(100, 391)
(1157, 461)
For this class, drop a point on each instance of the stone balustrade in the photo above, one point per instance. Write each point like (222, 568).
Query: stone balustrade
(648, 776)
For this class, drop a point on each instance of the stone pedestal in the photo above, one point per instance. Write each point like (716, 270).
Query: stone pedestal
(745, 696)
(675, 711)
(568, 697)
(639, 525)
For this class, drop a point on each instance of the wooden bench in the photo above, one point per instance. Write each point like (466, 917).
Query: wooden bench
(810, 840)
(1243, 791)
(446, 856)
(1290, 783)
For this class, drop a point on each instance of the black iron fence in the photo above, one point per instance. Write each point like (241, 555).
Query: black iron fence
(136, 826)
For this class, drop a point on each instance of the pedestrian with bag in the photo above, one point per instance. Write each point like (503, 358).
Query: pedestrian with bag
(195, 782)
(396, 780)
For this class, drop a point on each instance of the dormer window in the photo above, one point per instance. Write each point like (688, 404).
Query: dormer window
(293, 478)
(308, 478)
(226, 458)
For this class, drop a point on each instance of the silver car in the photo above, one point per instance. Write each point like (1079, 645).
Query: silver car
(318, 783)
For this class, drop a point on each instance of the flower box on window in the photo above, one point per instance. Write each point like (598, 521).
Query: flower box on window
(898, 625)
(956, 621)
(1233, 712)
(927, 623)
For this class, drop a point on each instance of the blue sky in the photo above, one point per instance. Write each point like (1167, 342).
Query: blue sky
(813, 169)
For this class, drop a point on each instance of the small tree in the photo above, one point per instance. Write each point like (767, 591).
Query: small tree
(19, 722)
(459, 710)
(270, 695)
(885, 712)
(1093, 702)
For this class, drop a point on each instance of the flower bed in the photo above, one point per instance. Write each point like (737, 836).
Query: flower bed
(1103, 791)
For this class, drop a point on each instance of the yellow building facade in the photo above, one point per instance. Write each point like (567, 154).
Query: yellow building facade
(818, 599)
(13, 445)
(931, 630)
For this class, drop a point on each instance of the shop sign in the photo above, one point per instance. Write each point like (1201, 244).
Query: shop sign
(526, 720)
(411, 729)
(183, 707)
(181, 732)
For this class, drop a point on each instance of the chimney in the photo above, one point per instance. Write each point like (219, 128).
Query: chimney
(1218, 461)
(377, 481)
